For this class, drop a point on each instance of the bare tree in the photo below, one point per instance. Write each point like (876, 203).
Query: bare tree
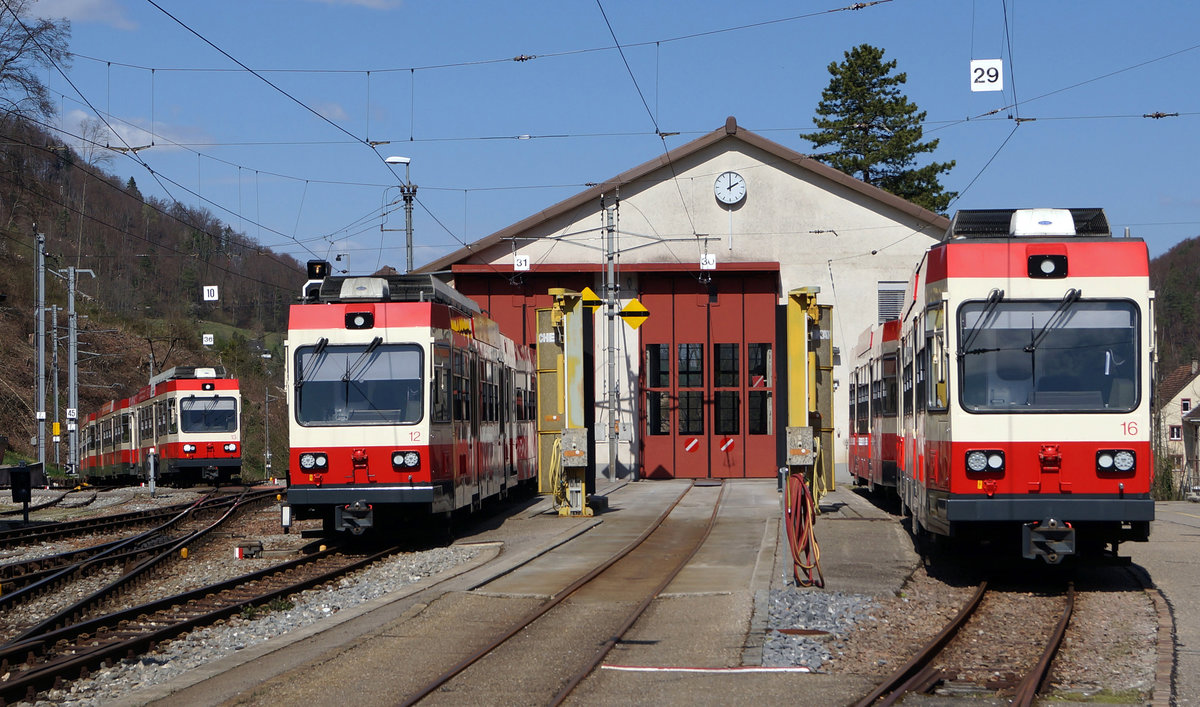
(27, 43)
(94, 136)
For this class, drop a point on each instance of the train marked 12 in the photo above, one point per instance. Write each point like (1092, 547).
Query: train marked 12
(404, 400)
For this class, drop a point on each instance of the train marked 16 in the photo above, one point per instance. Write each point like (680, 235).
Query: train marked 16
(1017, 384)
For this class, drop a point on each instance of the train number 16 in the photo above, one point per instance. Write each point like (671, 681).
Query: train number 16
(1129, 428)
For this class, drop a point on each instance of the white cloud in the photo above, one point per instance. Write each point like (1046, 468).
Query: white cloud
(332, 111)
(105, 12)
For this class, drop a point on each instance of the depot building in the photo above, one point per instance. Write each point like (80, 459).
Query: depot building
(709, 238)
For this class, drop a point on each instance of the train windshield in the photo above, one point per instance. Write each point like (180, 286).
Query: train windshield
(1064, 355)
(359, 384)
(208, 414)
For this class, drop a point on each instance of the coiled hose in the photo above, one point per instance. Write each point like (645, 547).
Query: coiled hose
(801, 509)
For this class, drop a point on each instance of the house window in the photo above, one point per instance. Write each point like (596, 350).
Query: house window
(1185, 404)
(1176, 433)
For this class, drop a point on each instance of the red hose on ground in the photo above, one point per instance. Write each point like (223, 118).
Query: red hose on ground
(801, 511)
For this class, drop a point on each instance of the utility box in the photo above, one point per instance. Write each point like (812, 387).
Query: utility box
(574, 448)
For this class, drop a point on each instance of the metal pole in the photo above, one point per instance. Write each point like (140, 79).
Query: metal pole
(54, 369)
(409, 192)
(611, 301)
(267, 421)
(72, 378)
(40, 404)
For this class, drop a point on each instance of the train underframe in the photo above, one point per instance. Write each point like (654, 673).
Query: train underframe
(1049, 529)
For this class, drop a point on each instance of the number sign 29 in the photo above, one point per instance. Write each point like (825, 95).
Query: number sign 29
(987, 75)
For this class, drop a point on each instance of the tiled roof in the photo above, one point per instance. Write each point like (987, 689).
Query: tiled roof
(1174, 382)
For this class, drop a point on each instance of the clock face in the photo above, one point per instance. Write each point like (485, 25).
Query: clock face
(730, 188)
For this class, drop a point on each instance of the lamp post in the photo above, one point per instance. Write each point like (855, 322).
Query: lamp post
(267, 418)
(408, 191)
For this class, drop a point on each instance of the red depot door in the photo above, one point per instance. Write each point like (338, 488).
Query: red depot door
(708, 376)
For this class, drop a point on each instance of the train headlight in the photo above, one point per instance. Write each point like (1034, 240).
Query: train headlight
(308, 460)
(321, 460)
(1122, 460)
(231, 447)
(406, 459)
(980, 460)
(189, 449)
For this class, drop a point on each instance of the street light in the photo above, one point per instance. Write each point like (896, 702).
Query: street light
(408, 191)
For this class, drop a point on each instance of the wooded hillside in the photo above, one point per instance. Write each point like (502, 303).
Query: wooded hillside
(150, 261)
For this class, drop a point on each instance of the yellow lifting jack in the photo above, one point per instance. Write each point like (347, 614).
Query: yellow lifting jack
(562, 432)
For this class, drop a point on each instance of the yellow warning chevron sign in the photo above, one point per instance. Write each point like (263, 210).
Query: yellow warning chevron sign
(588, 298)
(634, 313)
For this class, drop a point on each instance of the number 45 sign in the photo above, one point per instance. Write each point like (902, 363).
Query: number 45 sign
(987, 75)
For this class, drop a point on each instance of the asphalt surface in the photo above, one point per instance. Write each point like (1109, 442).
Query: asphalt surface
(694, 644)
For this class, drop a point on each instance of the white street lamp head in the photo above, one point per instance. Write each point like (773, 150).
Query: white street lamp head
(396, 159)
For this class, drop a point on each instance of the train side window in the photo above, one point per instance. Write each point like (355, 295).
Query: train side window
(935, 336)
(440, 397)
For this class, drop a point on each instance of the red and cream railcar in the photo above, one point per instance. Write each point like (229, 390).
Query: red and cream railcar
(1026, 357)
(186, 419)
(874, 401)
(405, 401)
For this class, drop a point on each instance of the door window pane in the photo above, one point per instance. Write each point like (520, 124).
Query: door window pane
(691, 412)
(691, 365)
(658, 413)
(726, 413)
(758, 365)
(759, 422)
(658, 365)
(726, 361)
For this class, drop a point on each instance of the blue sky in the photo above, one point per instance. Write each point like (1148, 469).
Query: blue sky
(284, 155)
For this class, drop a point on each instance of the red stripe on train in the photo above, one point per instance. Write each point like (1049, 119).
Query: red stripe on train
(1116, 258)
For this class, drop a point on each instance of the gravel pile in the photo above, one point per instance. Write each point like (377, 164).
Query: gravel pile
(819, 618)
(206, 645)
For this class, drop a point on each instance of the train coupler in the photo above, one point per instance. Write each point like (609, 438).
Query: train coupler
(1050, 539)
(355, 517)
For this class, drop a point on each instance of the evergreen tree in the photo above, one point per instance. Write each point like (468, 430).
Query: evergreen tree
(875, 131)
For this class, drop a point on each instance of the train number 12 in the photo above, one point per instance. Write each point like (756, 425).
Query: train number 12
(1129, 428)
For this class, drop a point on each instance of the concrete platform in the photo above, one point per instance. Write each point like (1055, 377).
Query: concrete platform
(711, 619)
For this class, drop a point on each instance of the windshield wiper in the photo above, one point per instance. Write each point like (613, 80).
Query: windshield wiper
(362, 357)
(303, 375)
(994, 298)
(1068, 299)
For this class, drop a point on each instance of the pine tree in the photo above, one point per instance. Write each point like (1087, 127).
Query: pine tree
(875, 131)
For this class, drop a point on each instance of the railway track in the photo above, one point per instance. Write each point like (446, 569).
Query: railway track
(928, 667)
(64, 649)
(58, 500)
(33, 534)
(139, 557)
(612, 596)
